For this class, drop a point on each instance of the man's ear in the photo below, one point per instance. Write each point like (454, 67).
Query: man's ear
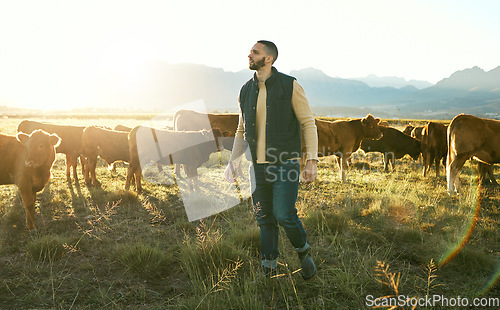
(269, 59)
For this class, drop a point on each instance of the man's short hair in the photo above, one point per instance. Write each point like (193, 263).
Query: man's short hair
(270, 48)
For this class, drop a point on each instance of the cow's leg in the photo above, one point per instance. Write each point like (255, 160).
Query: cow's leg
(132, 179)
(343, 167)
(74, 164)
(481, 173)
(112, 167)
(68, 168)
(453, 168)
(424, 162)
(450, 176)
(92, 166)
(134, 172)
(71, 163)
(484, 169)
(429, 159)
(28, 197)
(159, 167)
(386, 162)
(178, 171)
(130, 174)
(192, 175)
(137, 176)
(85, 171)
(82, 162)
(443, 160)
(437, 160)
(390, 160)
(492, 177)
(87, 166)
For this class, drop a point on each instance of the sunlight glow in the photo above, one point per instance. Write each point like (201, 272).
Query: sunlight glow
(59, 53)
(125, 58)
(61, 85)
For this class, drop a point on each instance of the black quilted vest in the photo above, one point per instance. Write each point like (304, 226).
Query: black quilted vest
(283, 136)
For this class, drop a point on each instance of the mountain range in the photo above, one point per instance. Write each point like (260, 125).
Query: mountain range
(165, 87)
(470, 90)
(392, 81)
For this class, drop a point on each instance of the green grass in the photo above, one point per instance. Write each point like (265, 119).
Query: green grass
(380, 234)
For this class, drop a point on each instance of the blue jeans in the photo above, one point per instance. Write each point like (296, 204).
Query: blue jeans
(274, 193)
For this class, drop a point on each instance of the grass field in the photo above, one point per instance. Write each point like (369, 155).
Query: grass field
(379, 235)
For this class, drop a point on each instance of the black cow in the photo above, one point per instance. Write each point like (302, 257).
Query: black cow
(394, 144)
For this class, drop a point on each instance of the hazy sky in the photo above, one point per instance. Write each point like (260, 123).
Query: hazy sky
(54, 50)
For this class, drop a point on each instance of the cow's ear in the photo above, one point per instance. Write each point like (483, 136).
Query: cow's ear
(54, 140)
(22, 137)
(377, 120)
(226, 134)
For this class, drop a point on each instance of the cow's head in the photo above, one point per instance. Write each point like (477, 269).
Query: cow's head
(370, 127)
(408, 129)
(227, 140)
(41, 147)
(415, 154)
(25, 126)
(220, 138)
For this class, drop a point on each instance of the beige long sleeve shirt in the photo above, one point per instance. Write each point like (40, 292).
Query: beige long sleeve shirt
(302, 111)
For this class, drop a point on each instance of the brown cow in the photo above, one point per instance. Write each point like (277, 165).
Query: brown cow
(110, 145)
(122, 128)
(408, 129)
(191, 148)
(71, 142)
(470, 137)
(483, 170)
(125, 129)
(393, 145)
(342, 138)
(434, 146)
(26, 162)
(193, 121)
(128, 129)
(416, 133)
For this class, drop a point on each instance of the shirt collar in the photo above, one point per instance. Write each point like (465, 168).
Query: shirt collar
(270, 80)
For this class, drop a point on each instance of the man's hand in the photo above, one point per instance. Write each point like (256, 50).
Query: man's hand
(229, 173)
(310, 171)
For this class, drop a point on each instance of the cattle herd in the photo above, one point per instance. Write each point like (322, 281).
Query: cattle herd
(27, 158)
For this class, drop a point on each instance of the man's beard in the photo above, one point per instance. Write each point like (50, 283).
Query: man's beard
(257, 65)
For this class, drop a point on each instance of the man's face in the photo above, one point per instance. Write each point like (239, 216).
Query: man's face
(257, 57)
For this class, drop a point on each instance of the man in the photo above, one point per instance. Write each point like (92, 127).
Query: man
(273, 108)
